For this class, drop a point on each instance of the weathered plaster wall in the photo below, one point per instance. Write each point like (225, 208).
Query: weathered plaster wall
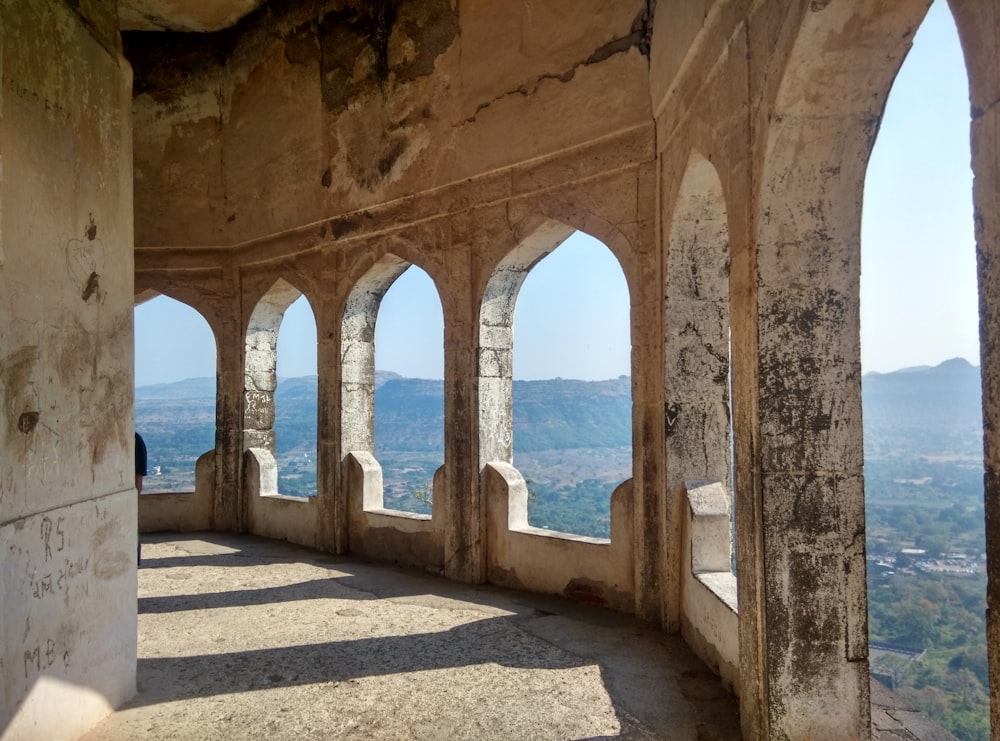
(321, 107)
(67, 503)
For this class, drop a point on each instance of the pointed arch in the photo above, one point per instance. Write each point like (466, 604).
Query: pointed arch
(358, 354)
(410, 486)
(553, 500)
(696, 378)
(696, 358)
(496, 340)
(296, 411)
(167, 328)
(260, 378)
(798, 381)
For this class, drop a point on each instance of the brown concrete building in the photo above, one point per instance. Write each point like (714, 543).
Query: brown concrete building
(234, 155)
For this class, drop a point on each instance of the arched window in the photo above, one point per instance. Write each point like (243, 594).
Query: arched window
(696, 367)
(921, 390)
(295, 401)
(175, 389)
(409, 391)
(260, 384)
(572, 394)
(393, 398)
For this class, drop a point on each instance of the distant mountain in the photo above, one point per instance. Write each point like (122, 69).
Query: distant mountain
(565, 428)
(190, 388)
(924, 409)
(562, 414)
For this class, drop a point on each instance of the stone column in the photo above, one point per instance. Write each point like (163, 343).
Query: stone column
(229, 511)
(333, 531)
(67, 496)
(808, 643)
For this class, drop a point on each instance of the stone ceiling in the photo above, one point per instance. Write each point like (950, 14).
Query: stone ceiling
(182, 15)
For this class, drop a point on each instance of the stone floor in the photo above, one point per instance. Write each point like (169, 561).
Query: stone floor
(245, 638)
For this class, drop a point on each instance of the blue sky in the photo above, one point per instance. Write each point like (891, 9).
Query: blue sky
(918, 262)
(918, 284)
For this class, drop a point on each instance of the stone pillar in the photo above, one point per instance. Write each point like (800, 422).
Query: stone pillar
(67, 497)
(464, 514)
(807, 647)
(229, 511)
(333, 531)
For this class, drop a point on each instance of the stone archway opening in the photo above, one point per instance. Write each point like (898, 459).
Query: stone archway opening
(175, 379)
(922, 392)
(557, 401)
(698, 413)
(409, 391)
(396, 419)
(295, 401)
(260, 382)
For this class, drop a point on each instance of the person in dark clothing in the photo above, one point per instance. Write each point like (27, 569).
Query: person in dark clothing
(140, 462)
(140, 472)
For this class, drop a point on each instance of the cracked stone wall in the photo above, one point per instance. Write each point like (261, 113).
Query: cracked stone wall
(315, 108)
(67, 502)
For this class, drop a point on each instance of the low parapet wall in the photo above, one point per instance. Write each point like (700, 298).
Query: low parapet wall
(520, 556)
(181, 511)
(388, 534)
(274, 515)
(709, 614)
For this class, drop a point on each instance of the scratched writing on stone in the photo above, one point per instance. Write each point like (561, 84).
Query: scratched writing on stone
(47, 539)
(58, 580)
(39, 657)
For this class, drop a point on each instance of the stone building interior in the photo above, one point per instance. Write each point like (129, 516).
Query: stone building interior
(236, 155)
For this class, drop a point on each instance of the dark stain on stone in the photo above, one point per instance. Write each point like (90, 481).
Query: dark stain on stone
(343, 226)
(670, 417)
(167, 66)
(375, 21)
(93, 285)
(373, 161)
(27, 422)
(340, 45)
(369, 28)
(16, 370)
(815, 509)
(640, 35)
(813, 623)
(821, 422)
(389, 158)
(327, 177)
(322, 232)
(433, 26)
(231, 218)
(583, 591)
(91, 230)
(302, 47)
